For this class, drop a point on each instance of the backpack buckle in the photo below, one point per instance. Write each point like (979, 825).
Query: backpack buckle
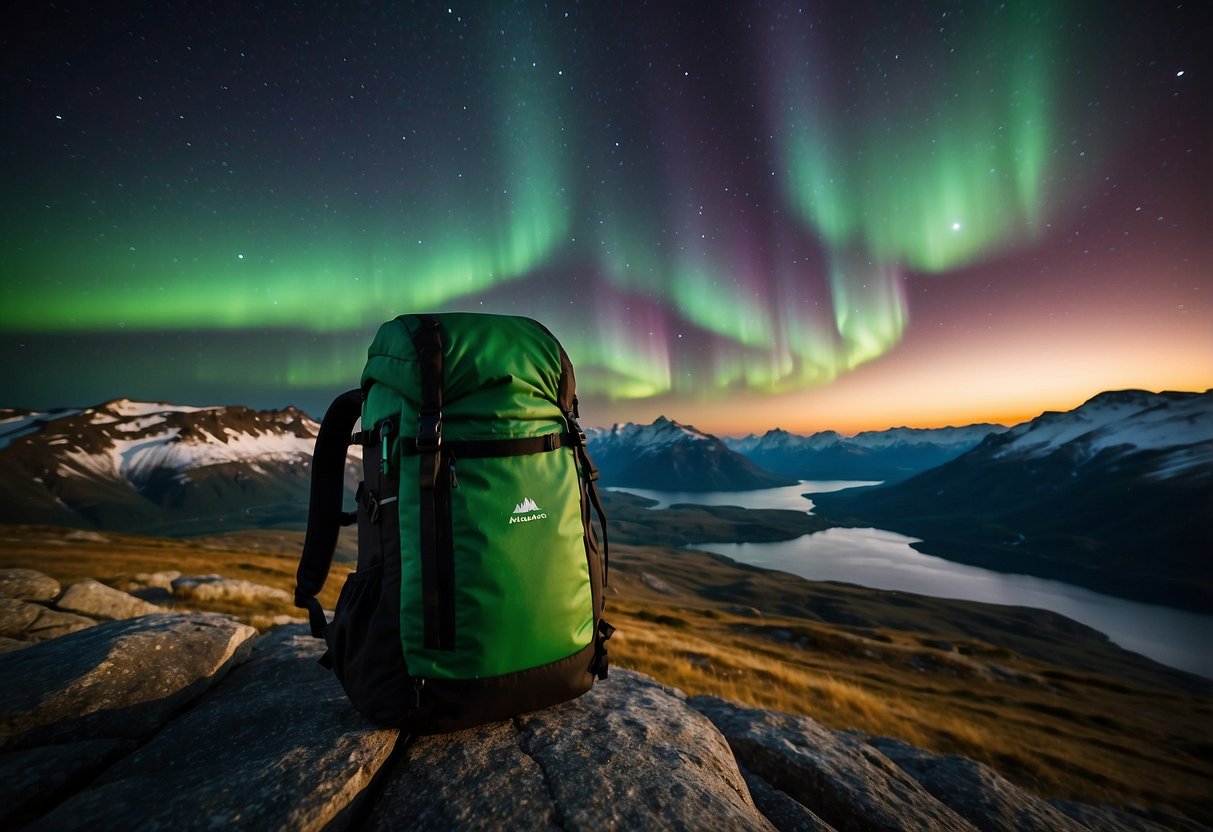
(575, 430)
(429, 430)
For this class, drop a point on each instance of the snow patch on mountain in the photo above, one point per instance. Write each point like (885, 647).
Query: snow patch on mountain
(778, 439)
(660, 434)
(15, 424)
(675, 457)
(1126, 421)
(129, 407)
(132, 441)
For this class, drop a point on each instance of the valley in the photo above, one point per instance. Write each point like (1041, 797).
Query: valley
(1047, 701)
(1114, 496)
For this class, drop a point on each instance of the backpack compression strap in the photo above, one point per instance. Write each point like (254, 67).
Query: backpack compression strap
(437, 562)
(324, 517)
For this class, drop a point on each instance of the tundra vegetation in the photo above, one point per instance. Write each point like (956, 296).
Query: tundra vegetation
(1048, 703)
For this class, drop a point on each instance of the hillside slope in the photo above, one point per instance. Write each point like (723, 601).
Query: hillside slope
(668, 456)
(156, 468)
(1116, 495)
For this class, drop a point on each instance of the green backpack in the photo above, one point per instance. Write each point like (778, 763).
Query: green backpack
(479, 588)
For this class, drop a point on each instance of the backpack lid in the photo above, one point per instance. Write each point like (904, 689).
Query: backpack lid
(504, 376)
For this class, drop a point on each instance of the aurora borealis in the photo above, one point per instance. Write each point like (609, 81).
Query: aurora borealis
(812, 215)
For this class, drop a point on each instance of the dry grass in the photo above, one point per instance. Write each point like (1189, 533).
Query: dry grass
(1061, 735)
(1062, 732)
(263, 558)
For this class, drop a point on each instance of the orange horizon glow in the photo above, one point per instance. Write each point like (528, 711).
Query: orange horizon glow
(854, 421)
(982, 377)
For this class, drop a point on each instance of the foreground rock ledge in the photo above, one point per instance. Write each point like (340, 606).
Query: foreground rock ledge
(629, 754)
(70, 706)
(276, 746)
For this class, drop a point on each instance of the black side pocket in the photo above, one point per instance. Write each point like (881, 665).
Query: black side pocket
(364, 638)
(352, 620)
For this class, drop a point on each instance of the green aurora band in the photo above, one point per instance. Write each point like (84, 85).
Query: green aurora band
(683, 287)
(929, 183)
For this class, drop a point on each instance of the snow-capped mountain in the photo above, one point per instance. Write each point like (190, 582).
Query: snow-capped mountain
(669, 456)
(887, 455)
(778, 440)
(156, 467)
(1179, 426)
(1116, 495)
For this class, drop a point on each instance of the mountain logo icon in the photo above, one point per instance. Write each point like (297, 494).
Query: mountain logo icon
(526, 511)
(527, 505)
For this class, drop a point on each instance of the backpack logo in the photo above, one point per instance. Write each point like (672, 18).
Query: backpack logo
(526, 511)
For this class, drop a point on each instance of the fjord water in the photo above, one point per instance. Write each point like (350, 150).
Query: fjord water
(885, 560)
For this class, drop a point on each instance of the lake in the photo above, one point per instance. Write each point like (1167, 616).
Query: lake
(885, 560)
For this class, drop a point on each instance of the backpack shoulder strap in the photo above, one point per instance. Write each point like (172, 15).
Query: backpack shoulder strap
(325, 518)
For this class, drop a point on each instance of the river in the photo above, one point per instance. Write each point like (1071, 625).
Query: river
(885, 560)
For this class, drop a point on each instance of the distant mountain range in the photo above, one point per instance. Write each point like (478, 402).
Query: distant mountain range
(668, 456)
(1116, 495)
(886, 455)
(156, 468)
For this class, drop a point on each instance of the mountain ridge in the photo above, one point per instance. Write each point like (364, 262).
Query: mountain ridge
(155, 467)
(1114, 495)
(669, 456)
(884, 455)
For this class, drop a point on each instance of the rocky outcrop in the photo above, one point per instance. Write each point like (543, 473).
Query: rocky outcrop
(975, 791)
(218, 588)
(26, 623)
(276, 746)
(70, 706)
(96, 600)
(34, 609)
(155, 580)
(629, 754)
(804, 776)
(24, 616)
(837, 776)
(98, 736)
(27, 585)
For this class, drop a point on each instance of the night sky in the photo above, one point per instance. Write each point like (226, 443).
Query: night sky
(819, 215)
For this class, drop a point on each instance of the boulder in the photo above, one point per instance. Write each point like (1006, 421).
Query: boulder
(785, 813)
(51, 624)
(266, 622)
(96, 600)
(975, 791)
(27, 585)
(22, 621)
(630, 754)
(218, 588)
(94, 734)
(276, 746)
(16, 617)
(473, 779)
(70, 706)
(835, 775)
(156, 580)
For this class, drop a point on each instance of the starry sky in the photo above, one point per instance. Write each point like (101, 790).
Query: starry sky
(812, 215)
